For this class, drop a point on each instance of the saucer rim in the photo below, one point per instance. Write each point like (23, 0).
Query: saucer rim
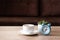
(34, 32)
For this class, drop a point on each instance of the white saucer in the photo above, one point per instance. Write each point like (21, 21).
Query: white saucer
(26, 33)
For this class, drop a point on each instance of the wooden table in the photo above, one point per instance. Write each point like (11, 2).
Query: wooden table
(11, 33)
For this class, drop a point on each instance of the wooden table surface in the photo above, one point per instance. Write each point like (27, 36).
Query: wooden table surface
(11, 33)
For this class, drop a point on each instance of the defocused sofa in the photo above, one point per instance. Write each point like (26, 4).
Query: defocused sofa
(19, 12)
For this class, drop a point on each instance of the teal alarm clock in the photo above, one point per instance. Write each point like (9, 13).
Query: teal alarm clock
(44, 28)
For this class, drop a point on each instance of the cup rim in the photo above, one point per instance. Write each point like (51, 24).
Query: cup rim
(28, 25)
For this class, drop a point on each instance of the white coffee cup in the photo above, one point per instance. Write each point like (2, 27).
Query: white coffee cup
(28, 28)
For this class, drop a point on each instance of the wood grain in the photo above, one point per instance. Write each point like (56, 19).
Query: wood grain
(11, 33)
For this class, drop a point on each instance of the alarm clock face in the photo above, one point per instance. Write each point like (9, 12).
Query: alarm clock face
(45, 30)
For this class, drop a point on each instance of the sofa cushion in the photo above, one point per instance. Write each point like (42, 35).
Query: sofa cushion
(51, 8)
(18, 8)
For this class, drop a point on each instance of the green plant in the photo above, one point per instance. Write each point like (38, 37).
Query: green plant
(43, 22)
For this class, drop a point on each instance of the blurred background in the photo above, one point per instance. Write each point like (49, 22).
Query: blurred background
(19, 12)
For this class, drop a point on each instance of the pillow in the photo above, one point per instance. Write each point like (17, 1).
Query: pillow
(51, 8)
(19, 8)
